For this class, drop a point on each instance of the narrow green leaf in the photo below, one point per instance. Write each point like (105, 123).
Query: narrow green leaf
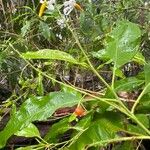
(36, 108)
(51, 54)
(32, 147)
(29, 131)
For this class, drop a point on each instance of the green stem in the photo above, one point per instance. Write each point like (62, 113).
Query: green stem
(101, 143)
(139, 98)
(140, 124)
(92, 67)
(113, 77)
(95, 71)
(121, 109)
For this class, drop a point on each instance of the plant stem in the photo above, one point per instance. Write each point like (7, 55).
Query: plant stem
(140, 124)
(95, 71)
(113, 76)
(121, 109)
(120, 139)
(139, 98)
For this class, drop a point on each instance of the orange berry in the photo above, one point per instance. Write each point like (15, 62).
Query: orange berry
(79, 111)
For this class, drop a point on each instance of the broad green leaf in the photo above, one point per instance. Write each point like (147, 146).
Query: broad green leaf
(45, 30)
(128, 84)
(36, 108)
(56, 129)
(85, 122)
(106, 127)
(127, 145)
(144, 119)
(29, 131)
(51, 54)
(64, 125)
(135, 129)
(144, 105)
(101, 54)
(123, 42)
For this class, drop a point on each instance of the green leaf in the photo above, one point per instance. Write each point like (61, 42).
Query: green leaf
(127, 145)
(144, 105)
(128, 84)
(85, 122)
(64, 125)
(32, 147)
(119, 73)
(147, 76)
(139, 58)
(45, 30)
(147, 73)
(56, 129)
(101, 54)
(106, 127)
(40, 88)
(25, 28)
(123, 42)
(51, 54)
(135, 129)
(36, 108)
(144, 119)
(29, 131)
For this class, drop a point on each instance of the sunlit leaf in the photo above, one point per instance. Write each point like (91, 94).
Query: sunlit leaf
(36, 108)
(101, 54)
(51, 54)
(29, 131)
(123, 42)
(32, 147)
